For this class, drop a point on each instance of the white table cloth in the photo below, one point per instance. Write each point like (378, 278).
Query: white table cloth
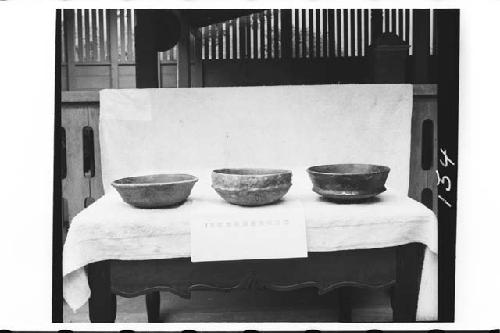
(111, 229)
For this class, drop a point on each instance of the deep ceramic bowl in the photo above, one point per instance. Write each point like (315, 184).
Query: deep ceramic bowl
(251, 187)
(347, 182)
(155, 191)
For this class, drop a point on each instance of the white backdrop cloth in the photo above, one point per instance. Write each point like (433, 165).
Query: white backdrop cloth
(169, 130)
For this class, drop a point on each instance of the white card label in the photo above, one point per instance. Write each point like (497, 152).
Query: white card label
(250, 233)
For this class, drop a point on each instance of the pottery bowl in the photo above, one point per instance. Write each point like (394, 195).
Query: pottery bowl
(251, 187)
(348, 181)
(155, 191)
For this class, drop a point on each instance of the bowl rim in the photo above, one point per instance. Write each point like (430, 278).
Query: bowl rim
(193, 179)
(269, 172)
(383, 169)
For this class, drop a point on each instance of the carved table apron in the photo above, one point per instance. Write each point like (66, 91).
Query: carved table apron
(400, 266)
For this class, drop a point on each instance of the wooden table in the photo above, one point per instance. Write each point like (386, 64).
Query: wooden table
(400, 266)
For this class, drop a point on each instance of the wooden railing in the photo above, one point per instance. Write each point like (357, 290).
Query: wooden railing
(81, 162)
(98, 45)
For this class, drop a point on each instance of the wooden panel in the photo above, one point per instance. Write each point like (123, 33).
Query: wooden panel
(96, 186)
(91, 83)
(127, 76)
(75, 187)
(370, 267)
(169, 75)
(64, 78)
(92, 71)
(424, 108)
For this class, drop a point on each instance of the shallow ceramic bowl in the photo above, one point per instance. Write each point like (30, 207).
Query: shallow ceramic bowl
(155, 191)
(348, 182)
(251, 187)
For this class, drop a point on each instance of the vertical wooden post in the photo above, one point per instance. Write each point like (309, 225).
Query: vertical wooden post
(197, 79)
(102, 302)
(276, 30)
(297, 34)
(310, 34)
(331, 33)
(317, 52)
(113, 46)
(286, 33)
(421, 42)
(183, 58)
(345, 13)
(69, 41)
(146, 55)
(376, 24)
(269, 37)
(153, 306)
(404, 301)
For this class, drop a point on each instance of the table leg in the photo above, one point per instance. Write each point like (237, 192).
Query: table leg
(102, 302)
(405, 291)
(345, 305)
(153, 306)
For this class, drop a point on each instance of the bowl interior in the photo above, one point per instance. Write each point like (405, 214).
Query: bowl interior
(348, 169)
(156, 179)
(250, 171)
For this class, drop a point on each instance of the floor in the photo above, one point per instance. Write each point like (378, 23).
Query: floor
(303, 305)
